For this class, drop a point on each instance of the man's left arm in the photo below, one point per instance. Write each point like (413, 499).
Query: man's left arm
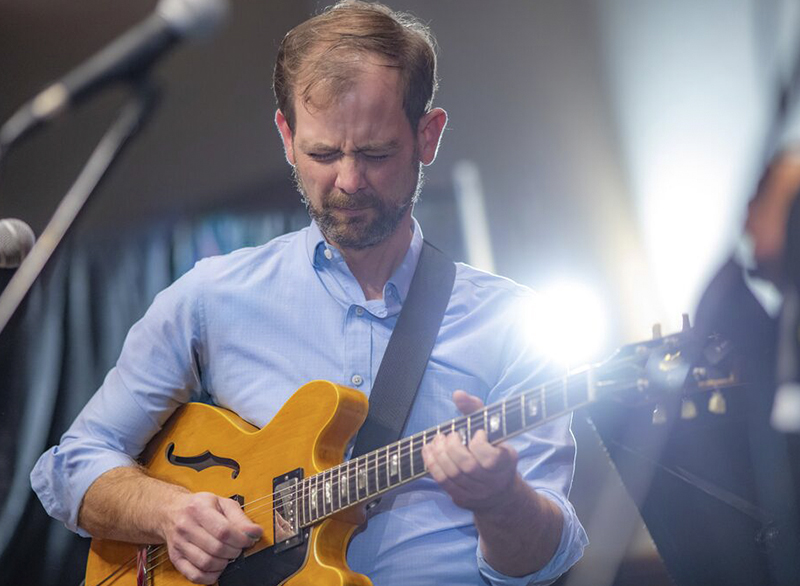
(520, 528)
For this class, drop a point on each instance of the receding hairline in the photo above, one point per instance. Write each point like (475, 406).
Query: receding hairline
(326, 50)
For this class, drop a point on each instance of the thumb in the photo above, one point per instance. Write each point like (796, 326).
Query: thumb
(233, 512)
(466, 403)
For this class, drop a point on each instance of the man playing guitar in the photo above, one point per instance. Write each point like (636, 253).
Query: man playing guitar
(354, 87)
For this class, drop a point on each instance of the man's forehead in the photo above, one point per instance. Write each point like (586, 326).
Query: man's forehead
(359, 76)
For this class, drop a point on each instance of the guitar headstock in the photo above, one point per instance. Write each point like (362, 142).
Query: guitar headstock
(669, 368)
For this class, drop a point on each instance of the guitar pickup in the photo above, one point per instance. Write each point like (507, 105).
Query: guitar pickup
(285, 519)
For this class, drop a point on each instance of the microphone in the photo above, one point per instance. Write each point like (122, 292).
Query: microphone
(16, 241)
(130, 54)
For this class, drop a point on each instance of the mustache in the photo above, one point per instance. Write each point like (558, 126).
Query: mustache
(348, 201)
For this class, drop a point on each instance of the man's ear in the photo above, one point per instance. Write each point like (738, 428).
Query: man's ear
(286, 136)
(429, 134)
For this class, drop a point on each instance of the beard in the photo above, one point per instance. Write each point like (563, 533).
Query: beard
(364, 230)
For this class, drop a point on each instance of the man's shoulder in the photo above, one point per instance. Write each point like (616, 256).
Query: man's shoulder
(470, 279)
(247, 262)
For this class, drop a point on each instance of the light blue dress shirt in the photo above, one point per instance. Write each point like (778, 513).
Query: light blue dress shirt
(249, 328)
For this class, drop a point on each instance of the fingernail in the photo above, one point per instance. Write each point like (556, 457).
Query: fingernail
(253, 536)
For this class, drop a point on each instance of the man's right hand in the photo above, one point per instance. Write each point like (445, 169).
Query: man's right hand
(204, 532)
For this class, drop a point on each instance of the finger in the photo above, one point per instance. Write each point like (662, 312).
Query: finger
(235, 515)
(203, 525)
(492, 458)
(196, 564)
(466, 403)
(434, 469)
(213, 518)
(445, 450)
(193, 574)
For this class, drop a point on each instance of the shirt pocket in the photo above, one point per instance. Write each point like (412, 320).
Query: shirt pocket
(434, 402)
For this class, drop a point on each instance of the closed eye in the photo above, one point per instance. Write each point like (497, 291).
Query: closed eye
(370, 157)
(324, 157)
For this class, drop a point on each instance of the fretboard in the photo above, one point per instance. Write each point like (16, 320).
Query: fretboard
(364, 478)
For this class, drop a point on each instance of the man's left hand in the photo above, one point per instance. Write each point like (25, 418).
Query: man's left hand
(478, 476)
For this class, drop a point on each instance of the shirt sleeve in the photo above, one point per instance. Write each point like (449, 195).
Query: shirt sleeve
(546, 453)
(156, 371)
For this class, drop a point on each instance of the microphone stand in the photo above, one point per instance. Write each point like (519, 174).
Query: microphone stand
(130, 120)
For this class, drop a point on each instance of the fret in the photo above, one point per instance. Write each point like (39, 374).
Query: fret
(495, 429)
(503, 410)
(371, 471)
(457, 429)
(344, 494)
(304, 502)
(313, 497)
(327, 493)
(380, 471)
(543, 399)
(453, 426)
(485, 421)
(387, 468)
(417, 461)
(404, 455)
(522, 409)
(362, 478)
(336, 481)
(352, 482)
(411, 453)
(469, 428)
(514, 415)
(394, 467)
(554, 401)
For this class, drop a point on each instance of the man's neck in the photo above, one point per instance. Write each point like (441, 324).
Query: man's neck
(373, 266)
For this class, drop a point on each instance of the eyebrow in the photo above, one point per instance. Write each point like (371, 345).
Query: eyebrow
(322, 147)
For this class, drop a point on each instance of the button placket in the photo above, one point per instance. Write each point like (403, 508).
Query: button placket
(359, 347)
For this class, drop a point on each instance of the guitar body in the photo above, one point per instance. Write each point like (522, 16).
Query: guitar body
(208, 449)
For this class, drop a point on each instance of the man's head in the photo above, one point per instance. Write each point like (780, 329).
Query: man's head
(318, 60)
(354, 87)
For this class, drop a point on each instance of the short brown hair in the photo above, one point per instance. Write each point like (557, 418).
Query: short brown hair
(321, 50)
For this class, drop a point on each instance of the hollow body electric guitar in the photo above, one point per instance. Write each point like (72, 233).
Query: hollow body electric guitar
(292, 469)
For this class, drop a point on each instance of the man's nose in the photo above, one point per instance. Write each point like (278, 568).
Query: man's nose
(350, 175)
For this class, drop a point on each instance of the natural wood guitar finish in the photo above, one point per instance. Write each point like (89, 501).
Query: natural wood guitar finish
(310, 432)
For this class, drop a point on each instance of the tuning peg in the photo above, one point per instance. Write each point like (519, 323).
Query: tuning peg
(688, 409)
(659, 414)
(686, 324)
(717, 403)
(656, 331)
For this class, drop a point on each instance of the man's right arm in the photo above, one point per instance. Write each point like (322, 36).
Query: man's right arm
(91, 482)
(203, 532)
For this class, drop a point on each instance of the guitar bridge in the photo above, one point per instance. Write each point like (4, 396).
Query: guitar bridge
(285, 521)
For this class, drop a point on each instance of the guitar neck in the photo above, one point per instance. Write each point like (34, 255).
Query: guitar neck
(364, 478)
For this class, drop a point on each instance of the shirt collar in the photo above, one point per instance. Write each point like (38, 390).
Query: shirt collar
(320, 253)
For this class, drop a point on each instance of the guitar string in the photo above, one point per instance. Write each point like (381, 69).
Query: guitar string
(513, 406)
(303, 489)
(300, 491)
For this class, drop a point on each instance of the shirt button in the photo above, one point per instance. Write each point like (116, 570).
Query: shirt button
(359, 311)
(328, 254)
(357, 380)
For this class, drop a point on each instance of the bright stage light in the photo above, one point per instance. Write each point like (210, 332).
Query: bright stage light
(567, 323)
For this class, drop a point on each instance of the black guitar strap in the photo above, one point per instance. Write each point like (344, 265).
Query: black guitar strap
(408, 351)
